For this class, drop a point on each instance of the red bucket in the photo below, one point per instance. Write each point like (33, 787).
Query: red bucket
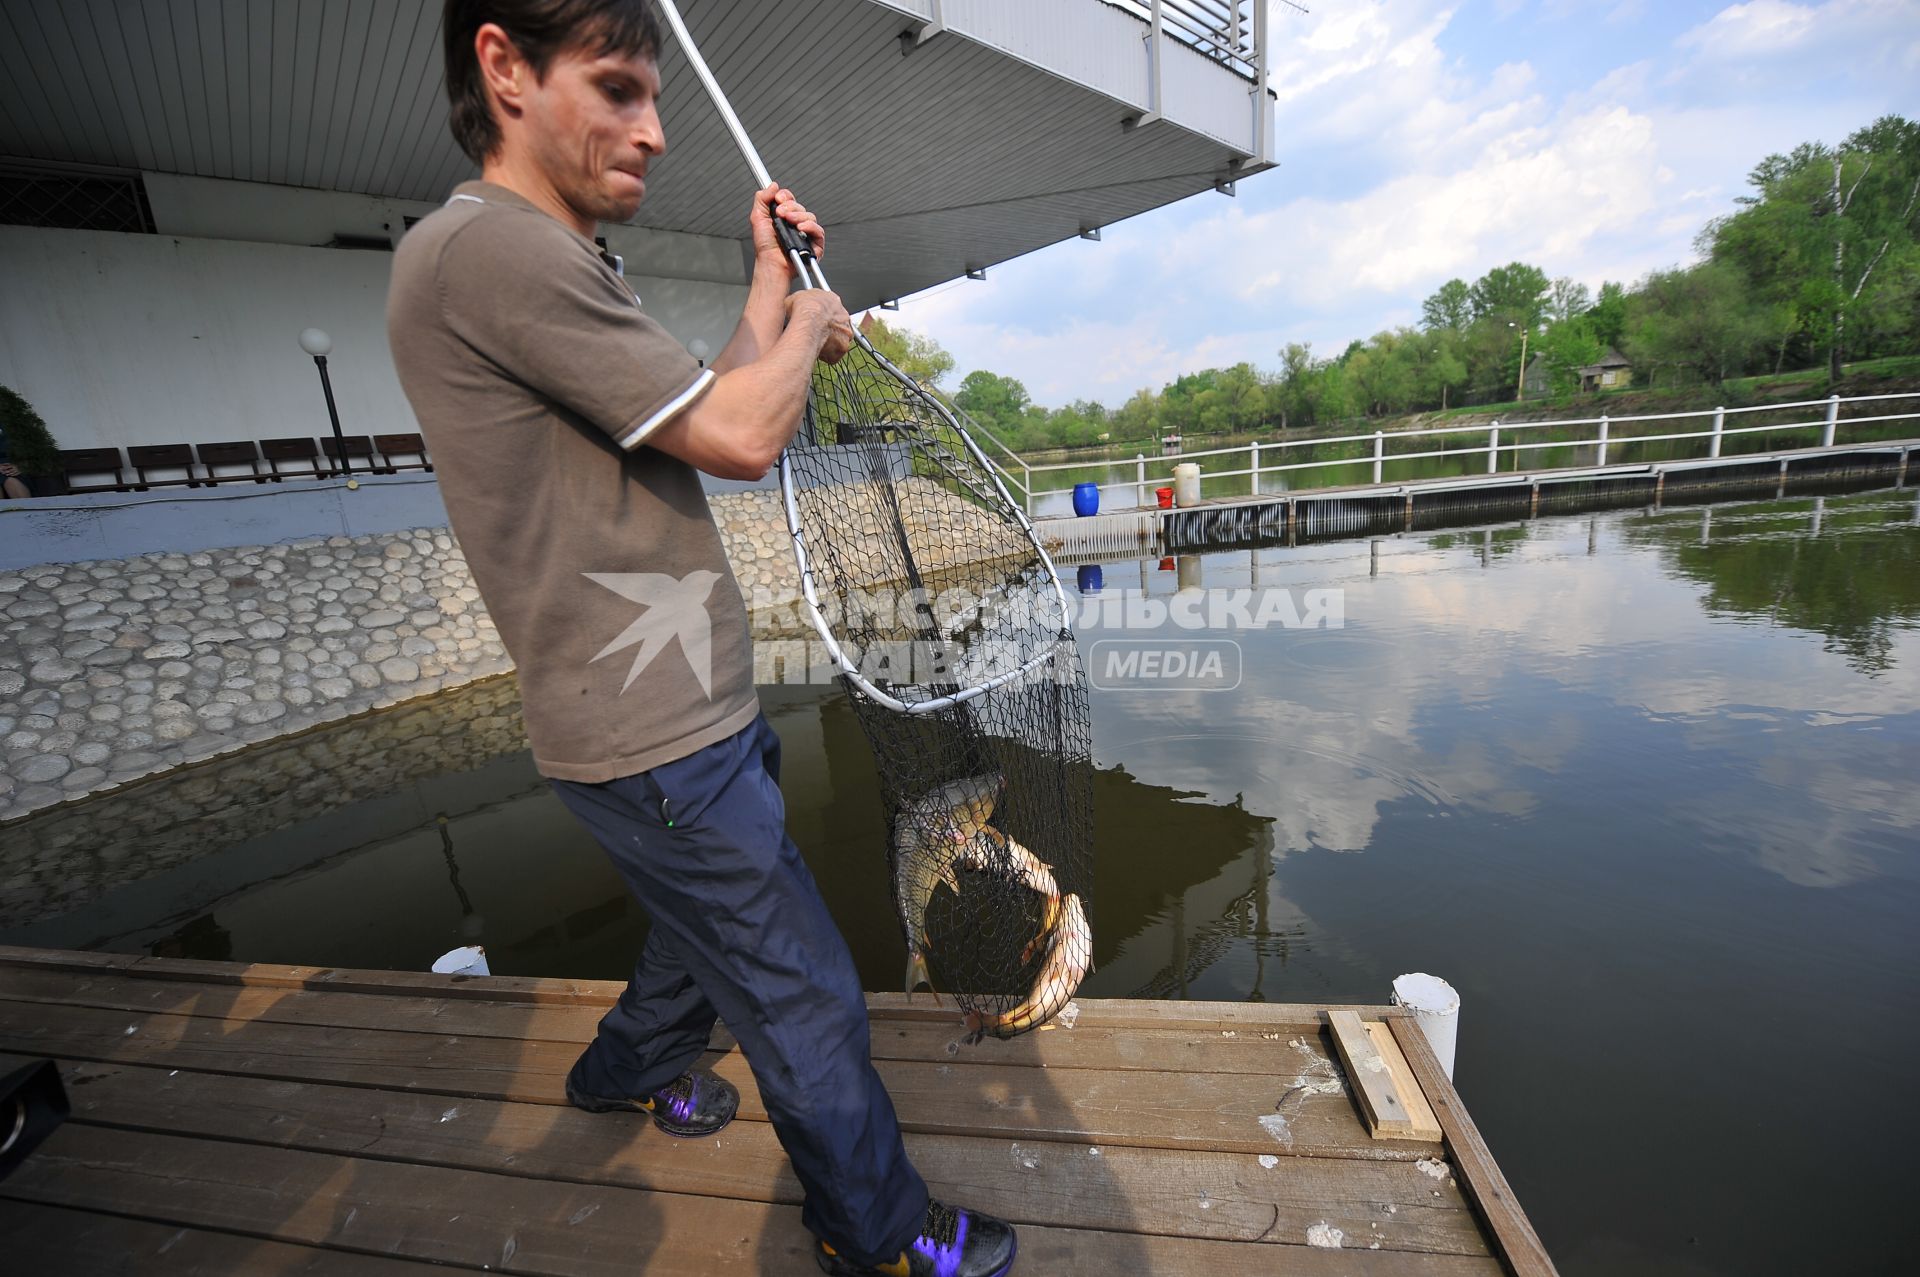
(1166, 497)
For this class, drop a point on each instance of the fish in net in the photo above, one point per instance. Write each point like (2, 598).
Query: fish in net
(951, 633)
(950, 630)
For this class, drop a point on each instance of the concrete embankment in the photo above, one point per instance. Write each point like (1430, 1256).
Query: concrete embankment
(111, 670)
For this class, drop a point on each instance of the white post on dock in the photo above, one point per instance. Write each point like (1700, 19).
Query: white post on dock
(1833, 416)
(1140, 480)
(1601, 458)
(1254, 479)
(467, 960)
(1436, 1009)
(1379, 452)
(1493, 449)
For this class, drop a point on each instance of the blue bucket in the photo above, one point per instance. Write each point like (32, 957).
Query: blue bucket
(1086, 499)
(1091, 579)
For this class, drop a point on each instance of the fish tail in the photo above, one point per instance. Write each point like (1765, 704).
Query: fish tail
(917, 975)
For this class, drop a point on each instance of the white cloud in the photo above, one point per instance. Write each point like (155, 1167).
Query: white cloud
(1416, 147)
(1743, 30)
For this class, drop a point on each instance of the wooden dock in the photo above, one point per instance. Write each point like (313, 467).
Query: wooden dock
(232, 1118)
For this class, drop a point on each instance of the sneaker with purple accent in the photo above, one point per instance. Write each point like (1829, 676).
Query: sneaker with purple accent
(698, 1102)
(952, 1243)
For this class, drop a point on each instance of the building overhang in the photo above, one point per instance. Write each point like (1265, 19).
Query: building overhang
(934, 137)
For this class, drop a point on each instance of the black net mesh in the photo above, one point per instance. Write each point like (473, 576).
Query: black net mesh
(931, 586)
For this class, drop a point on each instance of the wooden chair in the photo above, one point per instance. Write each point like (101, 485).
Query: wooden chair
(76, 463)
(237, 452)
(143, 457)
(299, 451)
(359, 452)
(392, 446)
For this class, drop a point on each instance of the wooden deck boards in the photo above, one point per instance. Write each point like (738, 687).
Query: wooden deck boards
(284, 1119)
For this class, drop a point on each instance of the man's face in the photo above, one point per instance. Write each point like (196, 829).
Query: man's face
(592, 125)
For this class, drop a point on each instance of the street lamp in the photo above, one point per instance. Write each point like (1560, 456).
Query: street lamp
(316, 343)
(699, 350)
(1520, 382)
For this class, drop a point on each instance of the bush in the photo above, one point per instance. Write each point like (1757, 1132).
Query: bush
(30, 444)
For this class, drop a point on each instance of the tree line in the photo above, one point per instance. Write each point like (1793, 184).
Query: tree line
(1819, 263)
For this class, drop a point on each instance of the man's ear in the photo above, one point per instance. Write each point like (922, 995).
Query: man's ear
(502, 69)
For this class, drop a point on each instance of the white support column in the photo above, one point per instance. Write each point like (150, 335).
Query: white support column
(1262, 111)
(1833, 416)
(1601, 458)
(1140, 480)
(1155, 102)
(1719, 426)
(1493, 449)
(1379, 453)
(1253, 478)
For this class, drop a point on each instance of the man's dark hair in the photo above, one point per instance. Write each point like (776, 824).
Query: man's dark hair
(540, 29)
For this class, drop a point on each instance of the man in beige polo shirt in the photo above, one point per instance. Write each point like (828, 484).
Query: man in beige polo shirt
(567, 427)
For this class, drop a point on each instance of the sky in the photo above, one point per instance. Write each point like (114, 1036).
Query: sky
(1418, 141)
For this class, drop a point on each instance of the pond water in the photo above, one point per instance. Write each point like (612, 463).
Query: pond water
(1641, 785)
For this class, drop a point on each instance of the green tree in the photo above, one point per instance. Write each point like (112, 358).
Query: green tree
(1567, 347)
(1608, 315)
(30, 444)
(1826, 237)
(1514, 293)
(1451, 306)
(920, 357)
(1704, 318)
(998, 401)
(1565, 299)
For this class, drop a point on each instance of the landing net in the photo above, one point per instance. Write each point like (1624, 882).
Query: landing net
(951, 633)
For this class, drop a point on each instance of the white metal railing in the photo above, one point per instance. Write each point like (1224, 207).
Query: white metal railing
(1221, 29)
(1150, 472)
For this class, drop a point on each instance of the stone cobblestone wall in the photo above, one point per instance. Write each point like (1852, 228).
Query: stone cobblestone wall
(115, 670)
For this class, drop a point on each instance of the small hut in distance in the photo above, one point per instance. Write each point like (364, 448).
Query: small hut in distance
(1612, 370)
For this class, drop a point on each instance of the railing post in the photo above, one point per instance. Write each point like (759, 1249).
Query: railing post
(1833, 416)
(1600, 459)
(1253, 479)
(1379, 452)
(1719, 425)
(1493, 449)
(1140, 480)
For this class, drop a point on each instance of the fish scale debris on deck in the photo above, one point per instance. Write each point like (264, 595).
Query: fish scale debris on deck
(269, 1118)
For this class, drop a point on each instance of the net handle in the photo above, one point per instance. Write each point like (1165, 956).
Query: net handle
(799, 250)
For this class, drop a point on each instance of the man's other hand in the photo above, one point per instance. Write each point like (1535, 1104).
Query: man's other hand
(817, 306)
(777, 201)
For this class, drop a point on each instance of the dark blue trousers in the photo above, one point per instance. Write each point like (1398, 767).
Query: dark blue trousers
(740, 931)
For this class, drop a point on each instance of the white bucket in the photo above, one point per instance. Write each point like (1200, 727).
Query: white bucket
(1436, 1009)
(470, 960)
(1186, 483)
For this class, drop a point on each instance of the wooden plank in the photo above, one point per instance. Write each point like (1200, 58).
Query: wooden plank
(1514, 1238)
(1092, 1044)
(1226, 1196)
(1147, 1109)
(1425, 1126)
(1372, 1082)
(1094, 1012)
(533, 1226)
(56, 1239)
